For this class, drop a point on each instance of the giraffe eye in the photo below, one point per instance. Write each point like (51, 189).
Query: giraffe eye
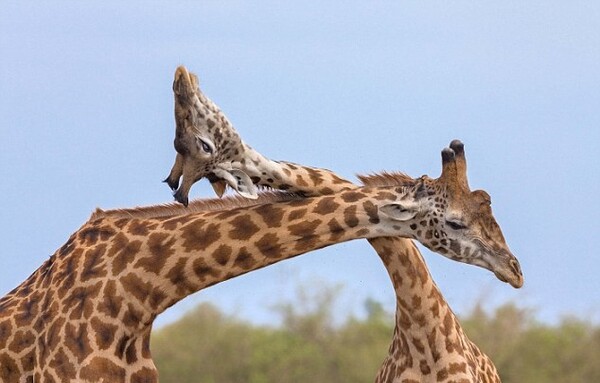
(205, 146)
(456, 225)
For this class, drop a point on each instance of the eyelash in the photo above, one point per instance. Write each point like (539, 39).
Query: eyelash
(455, 225)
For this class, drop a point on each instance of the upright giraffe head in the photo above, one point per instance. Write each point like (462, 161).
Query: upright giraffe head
(205, 141)
(450, 219)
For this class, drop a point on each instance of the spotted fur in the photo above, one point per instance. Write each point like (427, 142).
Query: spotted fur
(428, 343)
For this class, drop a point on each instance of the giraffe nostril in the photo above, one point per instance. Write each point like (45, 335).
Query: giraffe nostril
(514, 264)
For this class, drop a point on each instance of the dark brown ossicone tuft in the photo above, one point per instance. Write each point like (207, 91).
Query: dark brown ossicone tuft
(457, 146)
(447, 155)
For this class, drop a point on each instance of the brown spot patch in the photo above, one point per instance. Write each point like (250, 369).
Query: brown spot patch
(110, 303)
(81, 301)
(77, 341)
(136, 287)
(178, 278)
(301, 182)
(305, 228)
(297, 214)
(133, 318)
(94, 263)
(146, 354)
(315, 176)
(336, 230)
(385, 196)
(371, 210)
(203, 270)
(419, 345)
(161, 248)
(197, 236)
(448, 324)
(270, 214)
(222, 254)
(53, 337)
(156, 299)
(326, 191)
(172, 223)
(131, 354)
(104, 333)
(67, 273)
(5, 331)
(442, 374)
(362, 232)
(269, 246)
(99, 369)
(243, 227)
(9, 370)
(27, 310)
(403, 320)
(425, 369)
(22, 340)
(145, 375)
(244, 259)
(90, 235)
(123, 251)
(63, 366)
(352, 196)
(138, 227)
(350, 217)
(326, 205)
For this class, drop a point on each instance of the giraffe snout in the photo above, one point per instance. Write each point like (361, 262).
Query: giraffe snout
(507, 269)
(516, 282)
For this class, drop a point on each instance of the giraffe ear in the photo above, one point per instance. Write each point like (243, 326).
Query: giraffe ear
(400, 211)
(238, 181)
(244, 184)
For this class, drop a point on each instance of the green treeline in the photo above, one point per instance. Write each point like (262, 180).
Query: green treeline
(207, 346)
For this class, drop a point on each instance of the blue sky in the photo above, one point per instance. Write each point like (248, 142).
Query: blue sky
(86, 120)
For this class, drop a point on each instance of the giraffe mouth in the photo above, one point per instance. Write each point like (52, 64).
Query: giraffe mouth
(515, 281)
(505, 267)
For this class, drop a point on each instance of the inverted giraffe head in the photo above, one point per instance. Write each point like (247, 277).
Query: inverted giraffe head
(205, 141)
(452, 220)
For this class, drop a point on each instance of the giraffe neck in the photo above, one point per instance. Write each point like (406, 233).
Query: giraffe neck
(428, 342)
(288, 176)
(178, 255)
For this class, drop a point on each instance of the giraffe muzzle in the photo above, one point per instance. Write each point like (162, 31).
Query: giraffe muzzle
(510, 272)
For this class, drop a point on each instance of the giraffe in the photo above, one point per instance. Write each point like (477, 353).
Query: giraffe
(428, 342)
(86, 314)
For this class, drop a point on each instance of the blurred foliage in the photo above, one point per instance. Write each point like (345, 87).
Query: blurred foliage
(207, 346)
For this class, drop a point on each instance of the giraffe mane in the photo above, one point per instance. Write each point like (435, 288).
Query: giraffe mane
(386, 179)
(195, 206)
